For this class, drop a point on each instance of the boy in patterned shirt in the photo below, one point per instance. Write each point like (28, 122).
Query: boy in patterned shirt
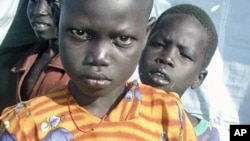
(100, 42)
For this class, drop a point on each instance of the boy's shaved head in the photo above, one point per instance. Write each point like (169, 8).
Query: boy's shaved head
(102, 40)
(204, 20)
(148, 4)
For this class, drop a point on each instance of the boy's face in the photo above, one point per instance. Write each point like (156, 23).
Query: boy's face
(40, 18)
(101, 41)
(174, 54)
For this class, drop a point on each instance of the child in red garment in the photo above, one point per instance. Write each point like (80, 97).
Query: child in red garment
(40, 70)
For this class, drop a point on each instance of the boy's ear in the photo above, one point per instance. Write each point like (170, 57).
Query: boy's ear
(55, 14)
(151, 23)
(199, 80)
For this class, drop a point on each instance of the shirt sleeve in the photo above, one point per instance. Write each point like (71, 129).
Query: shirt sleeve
(12, 123)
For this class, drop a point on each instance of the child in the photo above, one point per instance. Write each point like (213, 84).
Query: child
(40, 70)
(177, 53)
(100, 42)
(19, 37)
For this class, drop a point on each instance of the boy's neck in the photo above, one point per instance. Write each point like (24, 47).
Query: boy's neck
(53, 44)
(97, 106)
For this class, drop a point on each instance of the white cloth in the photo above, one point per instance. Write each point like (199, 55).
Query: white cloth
(159, 6)
(7, 14)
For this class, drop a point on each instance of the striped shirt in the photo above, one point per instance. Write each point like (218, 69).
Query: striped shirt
(157, 116)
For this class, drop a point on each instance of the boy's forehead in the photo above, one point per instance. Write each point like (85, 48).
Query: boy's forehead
(105, 17)
(178, 20)
(183, 27)
(113, 2)
(108, 5)
(84, 12)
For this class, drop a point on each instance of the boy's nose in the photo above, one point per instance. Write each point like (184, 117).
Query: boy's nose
(167, 58)
(98, 54)
(166, 61)
(41, 8)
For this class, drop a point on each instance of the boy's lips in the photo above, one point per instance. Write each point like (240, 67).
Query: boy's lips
(40, 26)
(159, 77)
(100, 81)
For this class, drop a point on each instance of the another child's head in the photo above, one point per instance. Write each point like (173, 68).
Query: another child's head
(179, 49)
(101, 41)
(40, 17)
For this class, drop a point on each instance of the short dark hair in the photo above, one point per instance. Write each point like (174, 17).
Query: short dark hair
(204, 20)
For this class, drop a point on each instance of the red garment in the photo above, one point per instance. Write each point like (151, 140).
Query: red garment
(53, 75)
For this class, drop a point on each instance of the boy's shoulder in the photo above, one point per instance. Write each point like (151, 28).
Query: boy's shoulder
(159, 98)
(37, 105)
(30, 55)
(38, 112)
(149, 91)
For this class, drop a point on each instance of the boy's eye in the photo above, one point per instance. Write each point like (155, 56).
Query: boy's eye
(50, 1)
(155, 44)
(54, 1)
(123, 40)
(185, 56)
(81, 34)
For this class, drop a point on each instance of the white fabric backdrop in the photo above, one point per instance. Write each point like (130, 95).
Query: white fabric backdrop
(7, 14)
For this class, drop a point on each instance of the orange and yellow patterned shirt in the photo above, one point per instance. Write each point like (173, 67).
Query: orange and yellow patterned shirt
(155, 116)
